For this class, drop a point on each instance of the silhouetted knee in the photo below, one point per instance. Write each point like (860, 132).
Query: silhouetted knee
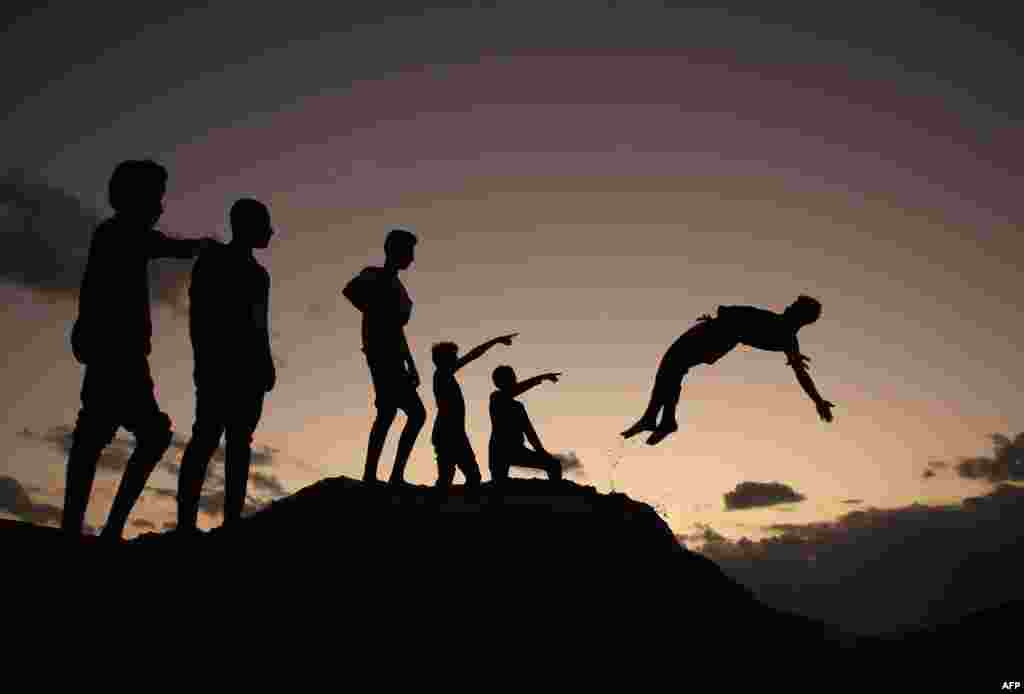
(204, 441)
(385, 416)
(238, 443)
(153, 439)
(417, 416)
(92, 434)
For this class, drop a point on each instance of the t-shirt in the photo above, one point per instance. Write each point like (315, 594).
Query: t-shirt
(228, 315)
(386, 308)
(758, 327)
(113, 301)
(508, 422)
(710, 340)
(450, 420)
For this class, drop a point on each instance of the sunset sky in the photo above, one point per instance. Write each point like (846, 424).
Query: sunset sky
(593, 178)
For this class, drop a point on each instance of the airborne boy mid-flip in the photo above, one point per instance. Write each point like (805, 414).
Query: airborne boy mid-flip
(711, 339)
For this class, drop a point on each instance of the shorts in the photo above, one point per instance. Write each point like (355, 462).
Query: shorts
(392, 384)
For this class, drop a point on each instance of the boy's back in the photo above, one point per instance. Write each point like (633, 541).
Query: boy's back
(385, 305)
(508, 416)
(450, 419)
(757, 327)
(113, 304)
(229, 296)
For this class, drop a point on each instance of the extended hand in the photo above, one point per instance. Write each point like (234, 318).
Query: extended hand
(506, 339)
(553, 377)
(824, 408)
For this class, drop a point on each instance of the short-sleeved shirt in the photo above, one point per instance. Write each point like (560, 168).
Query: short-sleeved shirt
(228, 315)
(113, 302)
(508, 422)
(450, 420)
(386, 308)
(758, 327)
(708, 341)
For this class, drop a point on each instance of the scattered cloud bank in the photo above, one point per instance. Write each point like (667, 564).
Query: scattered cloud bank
(875, 570)
(264, 485)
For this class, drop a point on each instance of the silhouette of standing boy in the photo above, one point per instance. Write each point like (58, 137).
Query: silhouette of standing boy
(451, 444)
(713, 338)
(386, 307)
(234, 369)
(511, 427)
(112, 337)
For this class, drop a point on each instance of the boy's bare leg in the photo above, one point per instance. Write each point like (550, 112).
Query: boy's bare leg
(668, 424)
(378, 434)
(416, 415)
(664, 397)
(647, 421)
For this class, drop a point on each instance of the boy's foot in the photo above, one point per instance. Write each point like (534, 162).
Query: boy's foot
(661, 432)
(642, 425)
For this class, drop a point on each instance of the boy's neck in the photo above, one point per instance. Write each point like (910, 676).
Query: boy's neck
(241, 248)
(132, 219)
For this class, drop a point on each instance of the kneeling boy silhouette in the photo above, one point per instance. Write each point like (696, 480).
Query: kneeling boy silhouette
(510, 426)
(711, 339)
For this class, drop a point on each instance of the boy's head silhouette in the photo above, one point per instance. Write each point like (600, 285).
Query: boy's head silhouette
(504, 377)
(804, 311)
(136, 189)
(399, 248)
(250, 223)
(444, 354)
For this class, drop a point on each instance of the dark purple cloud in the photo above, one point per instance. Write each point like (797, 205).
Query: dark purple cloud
(44, 243)
(758, 494)
(1005, 464)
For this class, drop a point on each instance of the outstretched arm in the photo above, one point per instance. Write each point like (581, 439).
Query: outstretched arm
(163, 246)
(479, 350)
(798, 362)
(523, 386)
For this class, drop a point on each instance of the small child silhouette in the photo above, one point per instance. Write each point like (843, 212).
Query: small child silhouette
(711, 339)
(451, 444)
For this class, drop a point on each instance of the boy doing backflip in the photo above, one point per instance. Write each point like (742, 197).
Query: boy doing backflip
(711, 339)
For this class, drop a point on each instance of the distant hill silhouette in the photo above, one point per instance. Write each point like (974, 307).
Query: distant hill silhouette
(551, 571)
